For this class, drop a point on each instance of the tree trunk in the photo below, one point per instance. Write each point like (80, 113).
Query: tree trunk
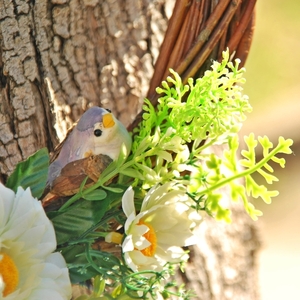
(59, 57)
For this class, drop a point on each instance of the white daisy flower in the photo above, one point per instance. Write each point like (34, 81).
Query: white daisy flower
(28, 268)
(164, 224)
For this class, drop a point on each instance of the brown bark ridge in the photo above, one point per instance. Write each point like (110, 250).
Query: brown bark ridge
(223, 264)
(58, 57)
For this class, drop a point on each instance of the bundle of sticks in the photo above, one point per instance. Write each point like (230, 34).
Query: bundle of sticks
(198, 32)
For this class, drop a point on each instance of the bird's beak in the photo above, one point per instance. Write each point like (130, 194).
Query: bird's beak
(108, 121)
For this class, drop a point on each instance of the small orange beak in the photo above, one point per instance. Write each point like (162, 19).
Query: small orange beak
(108, 121)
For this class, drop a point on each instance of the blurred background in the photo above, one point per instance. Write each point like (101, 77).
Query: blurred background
(273, 85)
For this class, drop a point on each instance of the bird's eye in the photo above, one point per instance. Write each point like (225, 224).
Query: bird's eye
(108, 110)
(97, 132)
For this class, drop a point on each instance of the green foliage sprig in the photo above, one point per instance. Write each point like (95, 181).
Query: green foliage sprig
(172, 141)
(226, 170)
(176, 142)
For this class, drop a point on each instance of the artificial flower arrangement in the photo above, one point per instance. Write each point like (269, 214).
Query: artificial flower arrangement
(125, 234)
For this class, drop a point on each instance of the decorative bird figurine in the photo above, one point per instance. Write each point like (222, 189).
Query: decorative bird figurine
(97, 132)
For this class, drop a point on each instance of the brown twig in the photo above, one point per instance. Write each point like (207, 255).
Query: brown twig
(200, 57)
(242, 50)
(241, 28)
(171, 35)
(203, 36)
(215, 25)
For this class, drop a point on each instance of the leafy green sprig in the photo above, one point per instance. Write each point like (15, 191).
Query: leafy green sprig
(174, 142)
(211, 108)
(227, 170)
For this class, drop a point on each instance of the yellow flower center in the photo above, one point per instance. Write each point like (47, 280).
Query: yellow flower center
(151, 237)
(9, 273)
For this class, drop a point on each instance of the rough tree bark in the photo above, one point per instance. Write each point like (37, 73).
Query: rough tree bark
(57, 57)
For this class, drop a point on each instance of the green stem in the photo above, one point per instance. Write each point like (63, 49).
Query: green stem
(245, 173)
(206, 145)
(104, 179)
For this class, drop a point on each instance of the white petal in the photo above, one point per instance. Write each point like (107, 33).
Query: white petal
(28, 237)
(128, 244)
(143, 262)
(130, 263)
(139, 230)
(6, 204)
(142, 243)
(129, 221)
(153, 196)
(1, 286)
(55, 276)
(176, 238)
(160, 217)
(172, 254)
(47, 294)
(128, 202)
(167, 209)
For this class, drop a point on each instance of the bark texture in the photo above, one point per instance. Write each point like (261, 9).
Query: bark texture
(223, 264)
(58, 57)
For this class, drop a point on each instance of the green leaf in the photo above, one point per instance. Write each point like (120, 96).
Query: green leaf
(87, 297)
(32, 172)
(285, 145)
(122, 156)
(114, 189)
(83, 297)
(147, 172)
(268, 177)
(94, 195)
(99, 285)
(256, 190)
(131, 172)
(77, 264)
(280, 161)
(214, 162)
(85, 263)
(252, 211)
(109, 172)
(237, 191)
(77, 219)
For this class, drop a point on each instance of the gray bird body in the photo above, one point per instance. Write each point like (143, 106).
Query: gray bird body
(94, 134)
